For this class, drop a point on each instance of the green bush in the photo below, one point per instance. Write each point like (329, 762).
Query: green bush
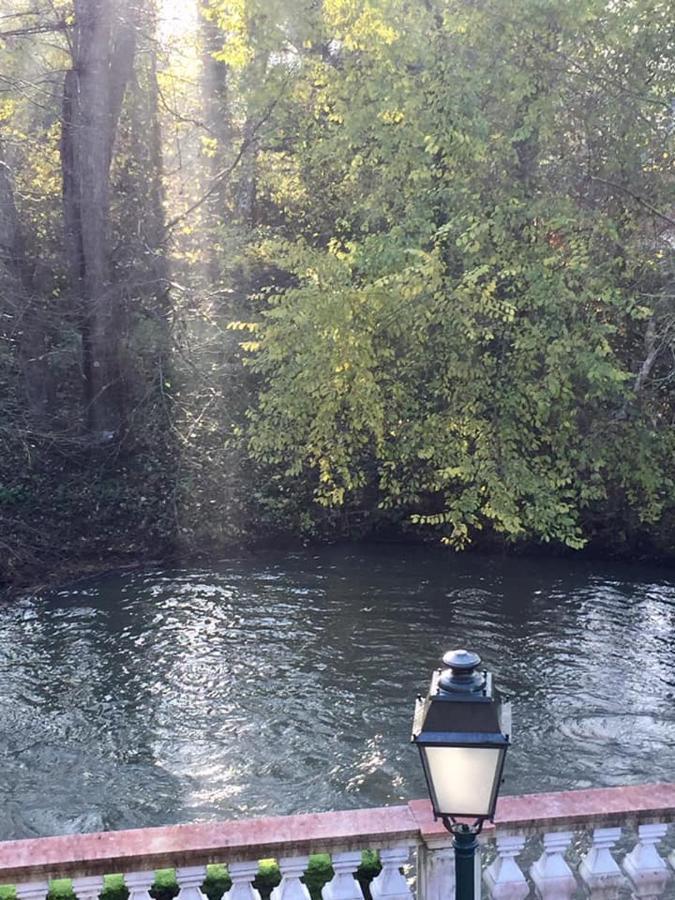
(218, 881)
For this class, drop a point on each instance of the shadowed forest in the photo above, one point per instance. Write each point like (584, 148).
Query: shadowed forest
(315, 269)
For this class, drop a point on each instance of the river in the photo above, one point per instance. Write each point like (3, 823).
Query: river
(285, 682)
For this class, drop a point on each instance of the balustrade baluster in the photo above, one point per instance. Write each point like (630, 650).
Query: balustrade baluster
(390, 883)
(599, 870)
(242, 875)
(504, 877)
(139, 884)
(435, 871)
(343, 885)
(551, 874)
(34, 890)
(190, 880)
(292, 868)
(88, 887)
(644, 865)
(671, 858)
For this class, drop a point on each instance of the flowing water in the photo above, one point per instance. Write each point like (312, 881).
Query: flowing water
(285, 683)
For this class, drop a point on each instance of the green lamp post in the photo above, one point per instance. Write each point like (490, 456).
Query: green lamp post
(462, 729)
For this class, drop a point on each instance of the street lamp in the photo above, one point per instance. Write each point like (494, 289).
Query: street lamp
(462, 729)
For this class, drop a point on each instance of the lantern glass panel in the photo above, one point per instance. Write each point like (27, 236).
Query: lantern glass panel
(463, 778)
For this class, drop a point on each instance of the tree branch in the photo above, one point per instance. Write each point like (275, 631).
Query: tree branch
(228, 170)
(34, 29)
(636, 197)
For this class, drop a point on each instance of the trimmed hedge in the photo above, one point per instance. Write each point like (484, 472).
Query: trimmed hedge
(218, 881)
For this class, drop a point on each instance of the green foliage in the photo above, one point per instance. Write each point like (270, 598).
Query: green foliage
(474, 247)
(442, 236)
(218, 881)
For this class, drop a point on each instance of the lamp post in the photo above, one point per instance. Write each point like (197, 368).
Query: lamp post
(462, 729)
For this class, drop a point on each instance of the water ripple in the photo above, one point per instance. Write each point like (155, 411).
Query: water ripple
(285, 683)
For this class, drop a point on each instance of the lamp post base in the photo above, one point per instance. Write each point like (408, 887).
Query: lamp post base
(465, 844)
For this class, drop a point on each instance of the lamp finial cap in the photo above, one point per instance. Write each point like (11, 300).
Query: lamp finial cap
(461, 675)
(461, 659)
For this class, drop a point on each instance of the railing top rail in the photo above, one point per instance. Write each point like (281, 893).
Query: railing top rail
(185, 845)
(595, 807)
(247, 839)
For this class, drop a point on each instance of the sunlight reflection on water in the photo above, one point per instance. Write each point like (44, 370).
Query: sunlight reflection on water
(285, 683)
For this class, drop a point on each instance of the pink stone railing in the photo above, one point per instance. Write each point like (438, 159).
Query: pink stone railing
(603, 842)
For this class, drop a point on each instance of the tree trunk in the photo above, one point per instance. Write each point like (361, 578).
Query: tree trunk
(103, 52)
(144, 209)
(26, 314)
(217, 118)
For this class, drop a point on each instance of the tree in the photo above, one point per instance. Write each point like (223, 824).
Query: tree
(477, 270)
(439, 233)
(102, 59)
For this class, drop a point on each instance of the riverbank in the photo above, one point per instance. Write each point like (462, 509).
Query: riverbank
(103, 510)
(51, 574)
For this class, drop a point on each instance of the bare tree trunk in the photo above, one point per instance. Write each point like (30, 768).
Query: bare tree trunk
(246, 192)
(156, 217)
(217, 117)
(215, 89)
(28, 322)
(652, 349)
(146, 203)
(103, 53)
(246, 188)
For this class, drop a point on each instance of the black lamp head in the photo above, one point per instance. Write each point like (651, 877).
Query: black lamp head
(462, 729)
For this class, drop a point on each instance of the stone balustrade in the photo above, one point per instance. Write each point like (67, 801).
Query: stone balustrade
(601, 843)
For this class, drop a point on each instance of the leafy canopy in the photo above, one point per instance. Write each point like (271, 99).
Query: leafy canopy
(474, 245)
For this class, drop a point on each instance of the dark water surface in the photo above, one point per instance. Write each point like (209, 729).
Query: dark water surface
(286, 683)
